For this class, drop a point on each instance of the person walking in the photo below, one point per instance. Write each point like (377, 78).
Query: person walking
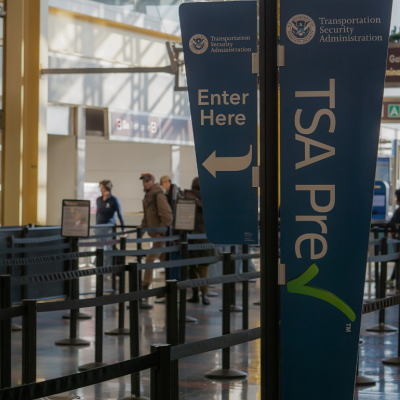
(157, 214)
(107, 206)
(172, 192)
(201, 270)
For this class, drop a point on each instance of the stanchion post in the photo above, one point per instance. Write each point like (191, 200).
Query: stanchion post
(382, 289)
(382, 327)
(226, 314)
(395, 360)
(172, 332)
(182, 294)
(134, 339)
(245, 298)
(233, 286)
(139, 235)
(121, 306)
(376, 253)
(160, 385)
(11, 245)
(29, 332)
(121, 330)
(5, 338)
(98, 340)
(226, 372)
(74, 294)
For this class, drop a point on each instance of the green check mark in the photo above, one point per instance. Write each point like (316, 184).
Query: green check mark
(299, 286)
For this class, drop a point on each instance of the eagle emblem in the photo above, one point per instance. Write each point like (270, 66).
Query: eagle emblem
(198, 44)
(300, 29)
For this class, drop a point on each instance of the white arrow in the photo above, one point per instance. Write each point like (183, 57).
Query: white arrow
(214, 163)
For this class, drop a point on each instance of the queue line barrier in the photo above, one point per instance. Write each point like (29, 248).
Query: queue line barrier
(381, 279)
(30, 308)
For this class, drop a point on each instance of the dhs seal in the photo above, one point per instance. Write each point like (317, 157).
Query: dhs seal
(300, 29)
(198, 44)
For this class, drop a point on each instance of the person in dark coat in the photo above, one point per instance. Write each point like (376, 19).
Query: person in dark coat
(201, 270)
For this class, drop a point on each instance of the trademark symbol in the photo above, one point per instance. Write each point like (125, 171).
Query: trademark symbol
(348, 328)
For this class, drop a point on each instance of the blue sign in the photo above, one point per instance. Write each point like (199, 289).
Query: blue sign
(331, 102)
(218, 41)
(380, 205)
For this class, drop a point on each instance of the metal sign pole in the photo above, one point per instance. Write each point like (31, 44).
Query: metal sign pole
(270, 371)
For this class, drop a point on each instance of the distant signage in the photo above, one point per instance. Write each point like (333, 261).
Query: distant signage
(75, 218)
(149, 128)
(331, 90)
(393, 66)
(185, 214)
(391, 110)
(218, 41)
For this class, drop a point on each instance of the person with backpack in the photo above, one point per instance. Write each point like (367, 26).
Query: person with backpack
(201, 270)
(157, 214)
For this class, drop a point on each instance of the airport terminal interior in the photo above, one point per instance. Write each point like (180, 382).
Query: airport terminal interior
(109, 287)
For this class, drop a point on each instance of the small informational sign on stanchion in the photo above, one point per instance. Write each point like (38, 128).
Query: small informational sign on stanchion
(185, 214)
(75, 218)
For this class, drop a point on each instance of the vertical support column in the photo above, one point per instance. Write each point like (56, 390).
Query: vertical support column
(29, 331)
(12, 132)
(34, 180)
(24, 140)
(5, 332)
(80, 132)
(270, 310)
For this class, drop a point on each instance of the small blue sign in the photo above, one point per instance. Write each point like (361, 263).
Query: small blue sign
(218, 41)
(380, 205)
(331, 102)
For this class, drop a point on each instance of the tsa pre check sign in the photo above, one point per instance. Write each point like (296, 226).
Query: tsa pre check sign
(331, 102)
(218, 41)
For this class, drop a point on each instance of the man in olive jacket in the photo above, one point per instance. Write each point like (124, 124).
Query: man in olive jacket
(157, 213)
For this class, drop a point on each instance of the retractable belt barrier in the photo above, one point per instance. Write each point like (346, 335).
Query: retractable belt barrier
(44, 239)
(46, 259)
(155, 239)
(100, 301)
(380, 304)
(133, 253)
(39, 249)
(65, 276)
(82, 379)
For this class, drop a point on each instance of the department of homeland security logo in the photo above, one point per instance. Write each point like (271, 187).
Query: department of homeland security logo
(198, 44)
(300, 29)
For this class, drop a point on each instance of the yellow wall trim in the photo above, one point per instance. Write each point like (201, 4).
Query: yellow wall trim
(114, 24)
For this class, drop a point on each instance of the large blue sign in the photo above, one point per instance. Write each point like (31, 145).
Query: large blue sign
(218, 42)
(331, 101)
